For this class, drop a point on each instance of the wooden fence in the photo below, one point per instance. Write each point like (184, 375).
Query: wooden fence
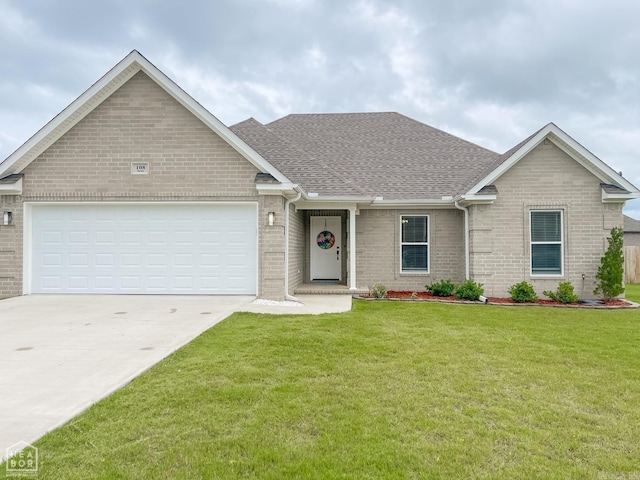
(631, 264)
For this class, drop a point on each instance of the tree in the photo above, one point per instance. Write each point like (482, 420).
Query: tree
(611, 271)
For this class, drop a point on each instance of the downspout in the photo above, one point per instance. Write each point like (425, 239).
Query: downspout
(286, 244)
(467, 258)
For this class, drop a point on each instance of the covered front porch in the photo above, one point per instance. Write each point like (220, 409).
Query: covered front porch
(322, 245)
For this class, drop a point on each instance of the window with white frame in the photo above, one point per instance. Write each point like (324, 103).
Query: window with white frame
(414, 243)
(546, 242)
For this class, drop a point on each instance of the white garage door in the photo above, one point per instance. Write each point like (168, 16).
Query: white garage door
(144, 248)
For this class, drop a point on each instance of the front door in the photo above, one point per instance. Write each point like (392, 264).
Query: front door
(326, 248)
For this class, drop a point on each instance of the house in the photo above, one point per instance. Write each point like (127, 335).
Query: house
(135, 188)
(631, 232)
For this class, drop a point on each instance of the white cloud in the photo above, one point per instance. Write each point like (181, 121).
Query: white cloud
(14, 24)
(297, 4)
(315, 58)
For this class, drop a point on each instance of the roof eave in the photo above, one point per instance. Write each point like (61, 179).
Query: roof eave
(284, 188)
(11, 188)
(433, 203)
(619, 197)
(471, 199)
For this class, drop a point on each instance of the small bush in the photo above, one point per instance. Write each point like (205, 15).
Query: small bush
(469, 290)
(523, 292)
(563, 294)
(378, 290)
(444, 288)
(610, 276)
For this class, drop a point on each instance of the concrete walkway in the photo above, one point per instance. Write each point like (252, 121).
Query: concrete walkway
(59, 354)
(307, 304)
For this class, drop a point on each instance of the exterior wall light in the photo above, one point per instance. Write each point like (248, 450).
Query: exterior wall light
(6, 218)
(272, 218)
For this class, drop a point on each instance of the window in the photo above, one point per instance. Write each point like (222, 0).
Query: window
(546, 242)
(414, 243)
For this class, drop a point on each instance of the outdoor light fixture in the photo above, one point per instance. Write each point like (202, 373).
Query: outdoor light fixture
(6, 218)
(272, 217)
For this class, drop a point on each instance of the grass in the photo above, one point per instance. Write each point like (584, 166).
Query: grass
(389, 390)
(632, 292)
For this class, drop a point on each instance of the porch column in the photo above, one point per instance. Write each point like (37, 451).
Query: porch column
(352, 250)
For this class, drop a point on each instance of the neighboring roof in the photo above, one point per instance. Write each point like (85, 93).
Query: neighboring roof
(367, 154)
(631, 225)
(100, 91)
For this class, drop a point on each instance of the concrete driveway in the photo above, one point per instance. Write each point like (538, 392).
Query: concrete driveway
(61, 354)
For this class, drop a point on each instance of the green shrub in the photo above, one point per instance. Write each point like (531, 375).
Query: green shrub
(563, 294)
(469, 290)
(444, 288)
(378, 290)
(523, 292)
(611, 269)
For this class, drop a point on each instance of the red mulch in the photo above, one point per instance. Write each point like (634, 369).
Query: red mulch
(401, 295)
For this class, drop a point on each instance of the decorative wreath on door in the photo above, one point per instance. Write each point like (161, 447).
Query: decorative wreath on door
(325, 240)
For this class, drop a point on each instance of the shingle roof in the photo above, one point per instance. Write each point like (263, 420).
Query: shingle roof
(367, 154)
(631, 225)
(10, 179)
(608, 188)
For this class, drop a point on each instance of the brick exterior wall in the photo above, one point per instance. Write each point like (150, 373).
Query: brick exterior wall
(546, 178)
(296, 248)
(11, 248)
(271, 241)
(140, 122)
(378, 248)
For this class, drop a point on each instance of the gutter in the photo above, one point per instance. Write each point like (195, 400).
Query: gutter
(467, 259)
(286, 243)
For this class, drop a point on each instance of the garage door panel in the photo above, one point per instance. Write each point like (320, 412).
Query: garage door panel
(51, 237)
(104, 283)
(78, 283)
(79, 260)
(124, 248)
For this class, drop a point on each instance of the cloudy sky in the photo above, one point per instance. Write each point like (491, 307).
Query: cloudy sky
(491, 71)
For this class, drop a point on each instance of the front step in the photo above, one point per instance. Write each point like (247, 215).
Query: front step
(313, 289)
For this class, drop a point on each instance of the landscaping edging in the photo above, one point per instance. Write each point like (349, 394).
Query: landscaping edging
(631, 305)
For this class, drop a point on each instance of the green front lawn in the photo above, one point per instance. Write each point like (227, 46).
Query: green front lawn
(632, 292)
(390, 390)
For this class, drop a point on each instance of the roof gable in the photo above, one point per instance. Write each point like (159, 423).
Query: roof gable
(573, 149)
(100, 91)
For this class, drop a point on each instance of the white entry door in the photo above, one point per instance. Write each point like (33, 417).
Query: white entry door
(326, 248)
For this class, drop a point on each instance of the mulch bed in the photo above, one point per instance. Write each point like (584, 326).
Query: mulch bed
(402, 295)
